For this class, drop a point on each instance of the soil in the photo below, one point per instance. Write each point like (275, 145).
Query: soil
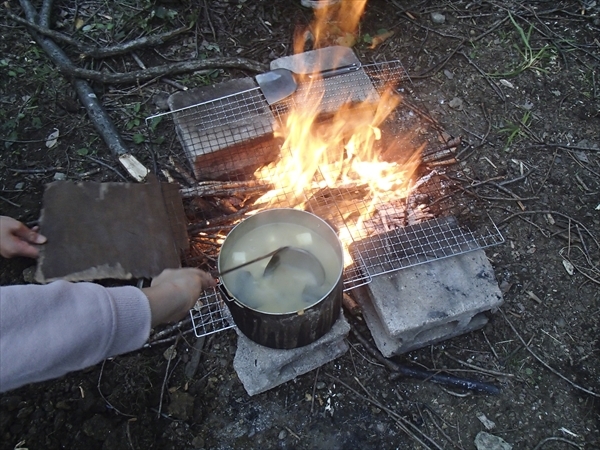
(518, 81)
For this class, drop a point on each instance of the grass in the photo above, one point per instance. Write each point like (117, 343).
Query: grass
(514, 130)
(530, 58)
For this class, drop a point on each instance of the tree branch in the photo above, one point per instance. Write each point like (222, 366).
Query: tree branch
(94, 108)
(161, 71)
(99, 52)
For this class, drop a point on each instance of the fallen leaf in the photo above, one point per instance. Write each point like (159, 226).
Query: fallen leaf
(346, 40)
(381, 38)
(170, 352)
(52, 138)
(569, 267)
(534, 297)
(507, 83)
(79, 22)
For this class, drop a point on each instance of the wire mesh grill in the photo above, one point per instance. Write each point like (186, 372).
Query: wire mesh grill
(230, 138)
(210, 315)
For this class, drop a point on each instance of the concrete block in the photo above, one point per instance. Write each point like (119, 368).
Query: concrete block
(261, 368)
(430, 302)
(219, 126)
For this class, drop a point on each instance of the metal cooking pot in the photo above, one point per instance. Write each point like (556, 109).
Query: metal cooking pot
(293, 328)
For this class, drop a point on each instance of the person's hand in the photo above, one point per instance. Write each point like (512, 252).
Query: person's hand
(174, 292)
(18, 240)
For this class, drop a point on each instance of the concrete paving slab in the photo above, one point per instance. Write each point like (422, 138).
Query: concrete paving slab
(262, 368)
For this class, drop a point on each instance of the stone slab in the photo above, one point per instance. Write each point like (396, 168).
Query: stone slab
(262, 368)
(430, 302)
(317, 60)
(332, 93)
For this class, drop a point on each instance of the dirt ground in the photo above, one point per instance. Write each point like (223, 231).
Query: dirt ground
(518, 81)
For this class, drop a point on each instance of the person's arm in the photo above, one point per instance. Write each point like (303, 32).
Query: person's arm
(49, 330)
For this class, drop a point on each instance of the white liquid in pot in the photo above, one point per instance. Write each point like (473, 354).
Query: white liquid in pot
(289, 289)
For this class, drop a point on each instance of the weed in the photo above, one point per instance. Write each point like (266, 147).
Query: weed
(530, 58)
(514, 130)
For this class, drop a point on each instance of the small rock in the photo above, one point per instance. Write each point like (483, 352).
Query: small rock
(448, 74)
(59, 176)
(438, 18)
(25, 412)
(198, 442)
(456, 103)
(560, 322)
(487, 423)
(19, 186)
(98, 427)
(10, 402)
(282, 435)
(321, 385)
(161, 101)
(29, 274)
(587, 143)
(486, 441)
(181, 406)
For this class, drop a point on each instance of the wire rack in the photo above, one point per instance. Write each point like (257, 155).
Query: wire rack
(229, 138)
(210, 315)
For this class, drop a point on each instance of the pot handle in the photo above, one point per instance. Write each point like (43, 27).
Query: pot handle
(226, 296)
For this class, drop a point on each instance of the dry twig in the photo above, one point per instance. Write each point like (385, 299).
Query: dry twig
(543, 363)
(402, 423)
(99, 52)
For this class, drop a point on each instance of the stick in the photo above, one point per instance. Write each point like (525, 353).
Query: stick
(543, 363)
(98, 52)
(102, 395)
(424, 375)
(164, 384)
(400, 421)
(351, 305)
(176, 68)
(95, 111)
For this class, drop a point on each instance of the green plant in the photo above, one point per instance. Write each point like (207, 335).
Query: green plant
(530, 58)
(514, 130)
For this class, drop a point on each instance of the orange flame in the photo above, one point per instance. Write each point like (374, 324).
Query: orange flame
(344, 150)
(334, 24)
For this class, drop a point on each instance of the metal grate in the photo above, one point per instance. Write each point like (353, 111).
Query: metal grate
(210, 315)
(232, 136)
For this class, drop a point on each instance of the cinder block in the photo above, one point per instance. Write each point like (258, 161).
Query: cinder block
(261, 368)
(430, 302)
(219, 125)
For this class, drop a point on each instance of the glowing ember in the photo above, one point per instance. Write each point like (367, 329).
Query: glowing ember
(344, 150)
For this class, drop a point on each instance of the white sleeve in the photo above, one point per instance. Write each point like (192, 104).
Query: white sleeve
(49, 330)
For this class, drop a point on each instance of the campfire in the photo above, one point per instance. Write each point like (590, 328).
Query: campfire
(347, 148)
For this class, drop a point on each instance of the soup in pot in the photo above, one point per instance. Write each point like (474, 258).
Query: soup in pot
(289, 289)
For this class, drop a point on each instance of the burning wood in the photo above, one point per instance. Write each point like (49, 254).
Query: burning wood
(225, 188)
(342, 167)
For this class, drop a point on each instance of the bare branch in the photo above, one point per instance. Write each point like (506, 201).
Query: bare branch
(99, 52)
